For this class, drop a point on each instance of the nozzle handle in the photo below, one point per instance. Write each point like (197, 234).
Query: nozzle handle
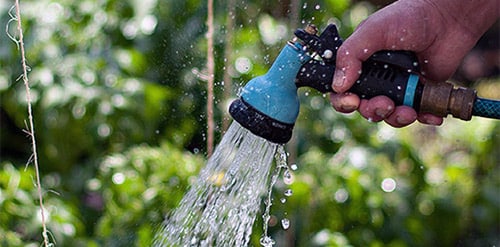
(395, 74)
(384, 73)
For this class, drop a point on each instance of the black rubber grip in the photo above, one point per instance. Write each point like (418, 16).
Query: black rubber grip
(384, 73)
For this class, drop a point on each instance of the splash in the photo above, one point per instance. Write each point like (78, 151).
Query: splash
(221, 206)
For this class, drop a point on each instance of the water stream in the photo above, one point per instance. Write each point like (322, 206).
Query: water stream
(221, 206)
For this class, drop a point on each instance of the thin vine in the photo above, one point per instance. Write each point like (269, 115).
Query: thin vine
(211, 77)
(228, 59)
(16, 17)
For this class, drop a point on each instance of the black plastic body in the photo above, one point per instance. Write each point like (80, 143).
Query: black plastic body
(384, 73)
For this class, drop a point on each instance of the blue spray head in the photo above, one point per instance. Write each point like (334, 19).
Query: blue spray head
(268, 105)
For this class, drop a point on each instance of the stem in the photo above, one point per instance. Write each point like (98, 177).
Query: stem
(210, 86)
(228, 51)
(31, 126)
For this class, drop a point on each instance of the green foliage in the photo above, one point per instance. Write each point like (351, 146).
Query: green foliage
(350, 192)
(20, 221)
(139, 188)
(119, 95)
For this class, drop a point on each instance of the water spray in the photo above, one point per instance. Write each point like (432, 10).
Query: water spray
(268, 105)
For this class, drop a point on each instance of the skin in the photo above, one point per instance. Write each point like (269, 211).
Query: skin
(440, 32)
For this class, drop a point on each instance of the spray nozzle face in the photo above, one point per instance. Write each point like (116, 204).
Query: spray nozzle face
(259, 123)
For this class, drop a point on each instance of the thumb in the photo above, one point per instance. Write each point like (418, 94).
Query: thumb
(365, 41)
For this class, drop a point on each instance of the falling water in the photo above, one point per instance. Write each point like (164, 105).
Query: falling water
(221, 206)
(266, 240)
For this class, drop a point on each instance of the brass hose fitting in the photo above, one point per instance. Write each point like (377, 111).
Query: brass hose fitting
(444, 98)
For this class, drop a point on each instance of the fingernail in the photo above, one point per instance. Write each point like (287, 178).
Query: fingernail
(432, 121)
(383, 112)
(348, 108)
(403, 120)
(338, 78)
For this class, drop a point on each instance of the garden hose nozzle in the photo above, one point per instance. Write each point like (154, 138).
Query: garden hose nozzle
(268, 105)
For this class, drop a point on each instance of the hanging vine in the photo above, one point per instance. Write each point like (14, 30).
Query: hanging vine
(15, 16)
(228, 51)
(211, 73)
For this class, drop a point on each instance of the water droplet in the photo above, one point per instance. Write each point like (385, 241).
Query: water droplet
(294, 167)
(287, 177)
(365, 50)
(285, 223)
(288, 192)
(267, 241)
(283, 200)
(317, 7)
(328, 54)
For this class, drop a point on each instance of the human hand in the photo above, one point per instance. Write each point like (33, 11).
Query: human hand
(439, 32)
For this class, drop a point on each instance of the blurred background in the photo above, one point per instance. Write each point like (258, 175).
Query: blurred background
(119, 99)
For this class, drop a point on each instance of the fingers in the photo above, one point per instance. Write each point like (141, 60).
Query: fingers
(377, 108)
(381, 108)
(345, 102)
(401, 117)
(430, 119)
